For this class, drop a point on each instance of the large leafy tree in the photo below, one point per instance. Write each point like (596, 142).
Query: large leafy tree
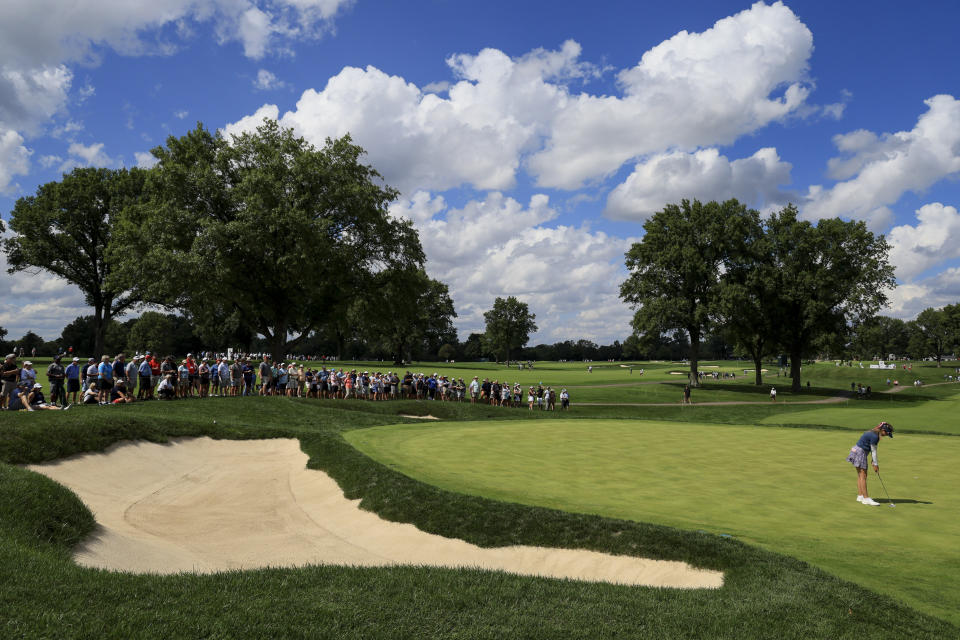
(934, 332)
(67, 229)
(674, 281)
(829, 276)
(408, 312)
(880, 335)
(264, 228)
(748, 294)
(509, 325)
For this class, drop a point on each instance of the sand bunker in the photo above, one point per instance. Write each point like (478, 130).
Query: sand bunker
(427, 417)
(205, 505)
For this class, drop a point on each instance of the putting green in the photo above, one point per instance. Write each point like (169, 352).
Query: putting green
(788, 490)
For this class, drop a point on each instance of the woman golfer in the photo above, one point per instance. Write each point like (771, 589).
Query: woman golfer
(867, 443)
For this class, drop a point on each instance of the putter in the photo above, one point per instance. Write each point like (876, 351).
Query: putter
(885, 491)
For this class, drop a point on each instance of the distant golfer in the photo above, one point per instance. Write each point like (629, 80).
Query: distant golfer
(867, 443)
(773, 394)
(686, 394)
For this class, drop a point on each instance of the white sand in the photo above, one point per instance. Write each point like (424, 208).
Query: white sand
(205, 505)
(428, 417)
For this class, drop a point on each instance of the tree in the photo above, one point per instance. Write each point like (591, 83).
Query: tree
(473, 347)
(67, 230)
(674, 281)
(509, 325)
(933, 334)
(407, 311)
(880, 335)
(263, 227)
(748, 293)
(29, 342)
(447, 352)
(829, 277)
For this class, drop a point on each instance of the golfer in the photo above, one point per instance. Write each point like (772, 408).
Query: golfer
(867, 443)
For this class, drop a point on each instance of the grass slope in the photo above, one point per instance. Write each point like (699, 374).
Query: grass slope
(45, 595)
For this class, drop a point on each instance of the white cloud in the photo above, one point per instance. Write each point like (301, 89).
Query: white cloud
(703, 175)
(690, 91)
(498, 247)
(878, 170)
(934, 240)
(251, 122)
(181, 114)
(48, 161)
(908, 300)
(436, 87)
(28, 98)
(266, 81)
(37, 302)
(14, 159)
(82, 155)
(68, 127)
(695, 89)
(43, 32)
(145, 159)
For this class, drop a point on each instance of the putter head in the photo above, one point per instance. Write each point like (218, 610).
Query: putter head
(892, 505)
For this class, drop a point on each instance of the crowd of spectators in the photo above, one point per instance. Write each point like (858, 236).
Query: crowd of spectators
(148, 377)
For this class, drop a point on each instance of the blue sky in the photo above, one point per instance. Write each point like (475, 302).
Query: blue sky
(530, 140)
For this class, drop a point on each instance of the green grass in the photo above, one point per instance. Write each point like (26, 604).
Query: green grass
(45, 595)
(785, 490)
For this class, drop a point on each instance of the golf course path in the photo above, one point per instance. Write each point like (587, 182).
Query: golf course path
(203, 505)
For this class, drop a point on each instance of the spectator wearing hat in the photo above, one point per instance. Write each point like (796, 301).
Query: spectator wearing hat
(56, 374)
(28, 374)
(10, 377)
(35, 399)
(72, 374)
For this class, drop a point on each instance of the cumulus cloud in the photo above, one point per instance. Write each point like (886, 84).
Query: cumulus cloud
(29, 98)
(14, 159)
(502, 114)
(499, 247)
(145, 159)
(703, 175)
(43, 32)
(267, 81)
(38, 302)
(934, 240)
(693, 90)
(876, 170)
(83, 155)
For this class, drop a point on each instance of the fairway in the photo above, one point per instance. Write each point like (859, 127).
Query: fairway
(787, 490)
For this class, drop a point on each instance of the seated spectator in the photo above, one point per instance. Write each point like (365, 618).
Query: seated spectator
(166, 390)
(119, 393)
(37, 401)
(90, 396)
(18, 398)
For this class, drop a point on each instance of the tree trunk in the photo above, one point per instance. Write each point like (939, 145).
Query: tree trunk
(795, 369)
(758, 369)
(99, 331)
(694, 356)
